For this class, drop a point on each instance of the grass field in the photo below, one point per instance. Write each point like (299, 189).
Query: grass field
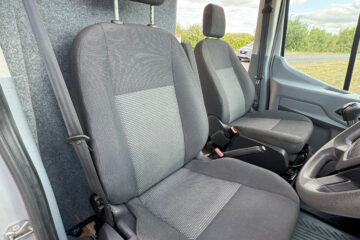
(332, 72)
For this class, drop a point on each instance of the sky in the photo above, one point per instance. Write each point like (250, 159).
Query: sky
(241, 15)
(330, 15)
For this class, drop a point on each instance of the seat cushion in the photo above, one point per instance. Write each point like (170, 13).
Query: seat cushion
(287, 130)
(217, 199)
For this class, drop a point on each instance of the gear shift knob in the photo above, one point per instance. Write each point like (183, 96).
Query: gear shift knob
(351, 112)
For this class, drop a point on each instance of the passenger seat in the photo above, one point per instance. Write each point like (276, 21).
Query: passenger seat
(229, 92)
(136, 93)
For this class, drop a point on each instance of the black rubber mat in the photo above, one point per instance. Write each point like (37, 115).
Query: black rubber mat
(310, 228)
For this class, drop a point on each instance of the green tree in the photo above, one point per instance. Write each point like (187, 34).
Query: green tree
(297, 36)
(193, 34)
(320, 41)
(302, 38)
(238, 40)
(345, 40)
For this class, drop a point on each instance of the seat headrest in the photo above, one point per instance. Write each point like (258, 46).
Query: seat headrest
(150, 2)
(214, 21)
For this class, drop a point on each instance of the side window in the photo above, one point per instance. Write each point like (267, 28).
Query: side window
(240, 30)
(320, 37)
(355, 80)
(4, 71)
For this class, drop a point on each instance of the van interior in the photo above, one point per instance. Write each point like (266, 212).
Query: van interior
(114, 125)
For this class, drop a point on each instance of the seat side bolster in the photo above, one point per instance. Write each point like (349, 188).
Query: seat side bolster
(245, 81)
(92, 92)
(191, 103)
(189, 51)
(215, 104)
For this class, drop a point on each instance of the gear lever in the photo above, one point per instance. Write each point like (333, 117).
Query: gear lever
(351, 112)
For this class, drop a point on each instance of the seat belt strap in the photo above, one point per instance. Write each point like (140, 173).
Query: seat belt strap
(262, 51)
(77, 138)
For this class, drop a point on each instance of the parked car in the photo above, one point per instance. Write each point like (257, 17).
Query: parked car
(245, 52)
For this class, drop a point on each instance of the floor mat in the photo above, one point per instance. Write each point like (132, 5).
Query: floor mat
(310, 228)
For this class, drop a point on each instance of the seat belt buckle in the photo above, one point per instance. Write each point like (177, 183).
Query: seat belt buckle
(231, 132)
(233, 129)
(217, 153)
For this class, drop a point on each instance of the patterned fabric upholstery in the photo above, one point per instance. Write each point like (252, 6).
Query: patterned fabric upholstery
(141, 104)
(131, 79)
(202, 198)
(229, 92)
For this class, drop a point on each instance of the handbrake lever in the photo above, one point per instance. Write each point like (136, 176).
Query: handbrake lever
(238, 152)
(244, 151)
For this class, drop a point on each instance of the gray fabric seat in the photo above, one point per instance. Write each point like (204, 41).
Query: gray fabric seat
(229, 92)
(218, 199)
(287, 130)
(139, 102)
(189, 51)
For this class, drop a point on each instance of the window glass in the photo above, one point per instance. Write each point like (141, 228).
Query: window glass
(355, 80)
(4, 71)
(319, 38)
(241, 18)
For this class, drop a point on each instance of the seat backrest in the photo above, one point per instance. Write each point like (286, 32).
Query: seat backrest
(135, 92)
(227, 88)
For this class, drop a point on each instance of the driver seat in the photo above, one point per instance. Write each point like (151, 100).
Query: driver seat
(137, 97)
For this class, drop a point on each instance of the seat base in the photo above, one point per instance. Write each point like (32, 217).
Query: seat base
(287, 130)
(253, 204)
(273, 158)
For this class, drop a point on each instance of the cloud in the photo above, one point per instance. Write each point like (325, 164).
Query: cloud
(297, 2)
(333, 19)
(241, 15)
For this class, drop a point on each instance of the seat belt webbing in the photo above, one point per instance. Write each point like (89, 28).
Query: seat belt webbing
(76, 135)
(262, 50)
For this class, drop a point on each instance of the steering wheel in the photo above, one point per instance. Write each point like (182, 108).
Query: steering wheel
(330, 179)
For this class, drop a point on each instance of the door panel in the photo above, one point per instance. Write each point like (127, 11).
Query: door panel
(296, 91)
